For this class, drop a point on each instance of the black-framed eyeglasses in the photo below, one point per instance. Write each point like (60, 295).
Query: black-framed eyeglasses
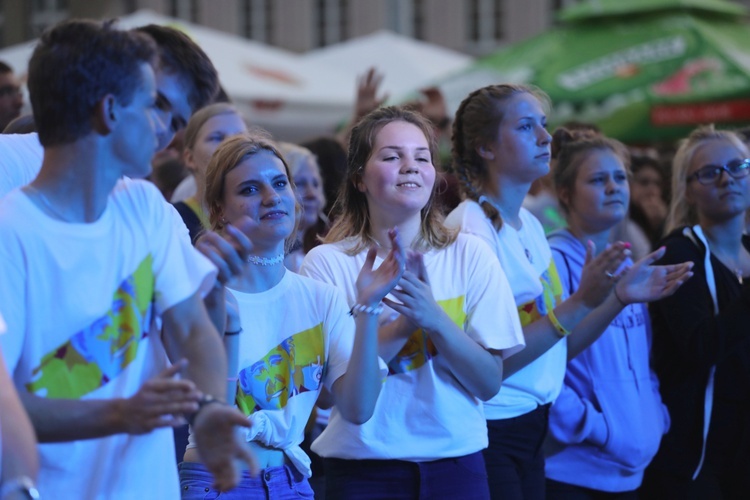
(709, 174)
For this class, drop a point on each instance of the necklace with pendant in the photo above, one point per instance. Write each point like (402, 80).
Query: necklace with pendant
(526, 251)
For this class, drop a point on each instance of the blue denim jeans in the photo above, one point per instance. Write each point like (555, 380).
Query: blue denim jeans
(450, 478)
(280, 483)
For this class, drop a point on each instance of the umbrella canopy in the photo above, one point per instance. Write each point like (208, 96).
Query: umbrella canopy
(643, 70)
(276, 89)
(406, 64)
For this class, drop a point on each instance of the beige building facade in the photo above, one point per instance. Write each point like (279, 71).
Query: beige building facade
(471, 26)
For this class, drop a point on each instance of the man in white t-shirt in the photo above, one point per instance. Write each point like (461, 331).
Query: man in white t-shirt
(89, 260)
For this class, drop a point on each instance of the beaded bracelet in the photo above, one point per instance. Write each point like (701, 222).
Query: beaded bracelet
(361, 308)
(561, 330)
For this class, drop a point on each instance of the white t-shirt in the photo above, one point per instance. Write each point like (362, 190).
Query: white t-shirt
(296, 337)
(526, 258)
(184, 190)
(78, 300)
(2, 330)
(423, 412)
(20, 160)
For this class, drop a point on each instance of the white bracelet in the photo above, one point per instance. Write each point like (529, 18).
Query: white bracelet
(361, 308)
(23, 485)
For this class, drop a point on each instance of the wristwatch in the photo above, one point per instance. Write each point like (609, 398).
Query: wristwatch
(22, 485)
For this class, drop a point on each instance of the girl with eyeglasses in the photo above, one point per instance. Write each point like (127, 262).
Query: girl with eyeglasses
(701, 334)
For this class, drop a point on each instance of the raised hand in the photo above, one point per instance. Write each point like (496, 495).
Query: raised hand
(368, 86)
(229, 251)
(374, 285)
(160, 402)
(221, 448)
(646, 283)
(414, 295)
(598, 275)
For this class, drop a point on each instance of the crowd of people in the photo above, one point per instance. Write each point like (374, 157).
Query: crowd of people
(192, 309)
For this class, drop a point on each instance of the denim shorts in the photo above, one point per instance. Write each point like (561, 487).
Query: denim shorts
(281, 483)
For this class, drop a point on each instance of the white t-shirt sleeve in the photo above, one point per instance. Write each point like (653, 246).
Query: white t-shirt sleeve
(469, 218)
(492, 318)
(12, 292)
(316, 266)
(20, 160)
(179, 269)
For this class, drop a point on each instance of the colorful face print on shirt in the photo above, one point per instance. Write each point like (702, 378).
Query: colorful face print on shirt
(552, 294)
(100, 352)
(419, 349)
(293, 367)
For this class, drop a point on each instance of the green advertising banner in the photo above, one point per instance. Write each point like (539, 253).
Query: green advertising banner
(644, 71)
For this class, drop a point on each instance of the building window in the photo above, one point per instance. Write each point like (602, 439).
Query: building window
(331, 18)
(45, 13)
(257, 20)
(485, 23)
(184, 9)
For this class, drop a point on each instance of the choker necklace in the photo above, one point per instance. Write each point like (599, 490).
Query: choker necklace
(266, 261)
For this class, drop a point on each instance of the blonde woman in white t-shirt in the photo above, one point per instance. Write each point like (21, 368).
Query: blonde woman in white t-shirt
(294, 334)
(445, 330)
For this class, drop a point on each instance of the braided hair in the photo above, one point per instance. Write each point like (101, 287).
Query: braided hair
(476, 123)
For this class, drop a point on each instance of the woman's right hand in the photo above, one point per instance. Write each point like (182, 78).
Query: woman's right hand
(374, 285)
(598, 276)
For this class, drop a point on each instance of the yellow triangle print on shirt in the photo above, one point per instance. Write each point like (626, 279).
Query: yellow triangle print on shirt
(98, 353)
(419, 349)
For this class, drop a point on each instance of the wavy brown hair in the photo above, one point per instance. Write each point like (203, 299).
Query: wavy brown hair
(351, 203)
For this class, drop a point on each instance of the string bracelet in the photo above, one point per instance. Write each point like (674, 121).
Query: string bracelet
(361, 308)
(561, 330)
(232, 334)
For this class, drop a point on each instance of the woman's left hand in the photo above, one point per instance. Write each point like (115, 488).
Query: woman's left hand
(416, 301)
(646, 283)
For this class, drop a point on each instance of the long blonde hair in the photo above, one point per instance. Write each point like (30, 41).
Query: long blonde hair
(351, 203)
(681, 213)
(476, 123)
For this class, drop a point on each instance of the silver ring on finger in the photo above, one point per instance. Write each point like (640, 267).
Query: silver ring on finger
(609, 275)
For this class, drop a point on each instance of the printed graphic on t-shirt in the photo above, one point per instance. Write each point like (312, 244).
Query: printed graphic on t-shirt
(419, 349)
(100, 352)
(551, 295)
(292, 367)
